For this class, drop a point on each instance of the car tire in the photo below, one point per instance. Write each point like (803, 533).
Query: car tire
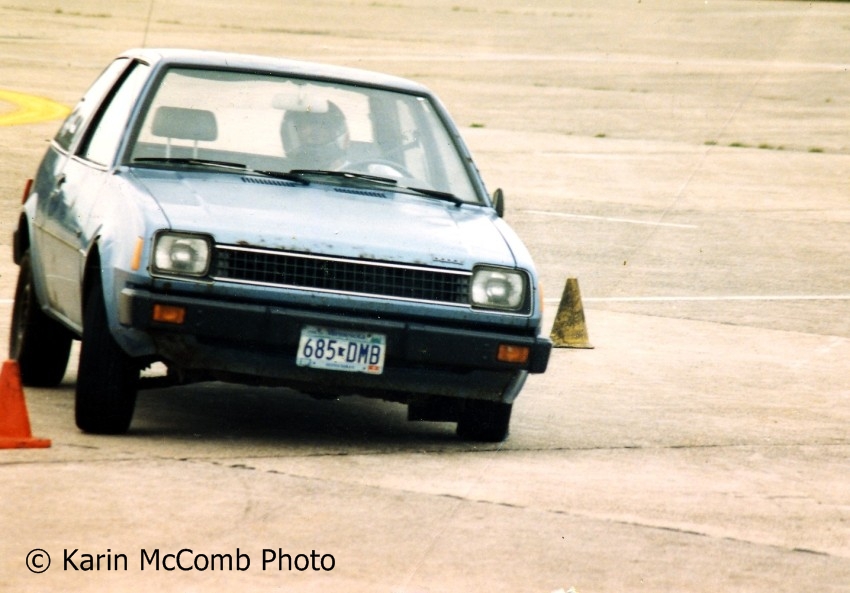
(484, 421)
(40, 345)
(107, 378)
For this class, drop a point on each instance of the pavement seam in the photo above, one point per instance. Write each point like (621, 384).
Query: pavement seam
(466, 499)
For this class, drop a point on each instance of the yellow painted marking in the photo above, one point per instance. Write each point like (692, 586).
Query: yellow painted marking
(30, 109)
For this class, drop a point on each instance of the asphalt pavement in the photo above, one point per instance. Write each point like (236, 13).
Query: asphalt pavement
(685, 161)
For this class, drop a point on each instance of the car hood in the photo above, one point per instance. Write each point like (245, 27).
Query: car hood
(345, 221)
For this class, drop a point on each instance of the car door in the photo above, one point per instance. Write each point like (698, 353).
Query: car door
(55, 225)
(68, 227)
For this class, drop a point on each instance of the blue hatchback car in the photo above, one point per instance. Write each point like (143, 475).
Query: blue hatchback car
(264, 221)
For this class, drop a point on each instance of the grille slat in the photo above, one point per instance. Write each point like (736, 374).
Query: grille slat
(272, 268)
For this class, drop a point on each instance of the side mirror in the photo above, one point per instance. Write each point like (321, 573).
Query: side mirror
(499, 202)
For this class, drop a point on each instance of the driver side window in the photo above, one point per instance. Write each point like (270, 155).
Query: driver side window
(111, 123)
(73, 124)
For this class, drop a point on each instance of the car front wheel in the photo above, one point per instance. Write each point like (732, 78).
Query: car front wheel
(107, 378)
(39, 344)
(484, 421)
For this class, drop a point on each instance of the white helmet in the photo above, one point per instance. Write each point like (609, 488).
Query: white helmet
(314, 139)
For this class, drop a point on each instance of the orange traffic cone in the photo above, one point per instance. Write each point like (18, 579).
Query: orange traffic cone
(15, 432)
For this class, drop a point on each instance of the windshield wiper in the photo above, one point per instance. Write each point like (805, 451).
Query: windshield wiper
(345, 175)
(440, 195)
(223, 165)
(431, 193)
(192, 161)
(281, 175)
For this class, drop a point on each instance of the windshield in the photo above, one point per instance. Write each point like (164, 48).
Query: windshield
(273, 123)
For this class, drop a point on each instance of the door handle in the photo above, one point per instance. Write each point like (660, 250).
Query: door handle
(57, 186)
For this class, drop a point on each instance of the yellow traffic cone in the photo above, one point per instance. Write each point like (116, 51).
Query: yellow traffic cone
(570, 329)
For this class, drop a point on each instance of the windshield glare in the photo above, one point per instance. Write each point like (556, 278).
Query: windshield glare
(282, 124)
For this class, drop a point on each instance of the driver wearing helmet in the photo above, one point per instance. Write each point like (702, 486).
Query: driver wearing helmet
(315, 139)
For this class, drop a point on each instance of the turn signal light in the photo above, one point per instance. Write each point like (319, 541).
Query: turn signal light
(169, 314)
(515, 354)
(136, 262)
(27, 190)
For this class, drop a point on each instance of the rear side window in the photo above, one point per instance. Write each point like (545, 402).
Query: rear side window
(73, 125)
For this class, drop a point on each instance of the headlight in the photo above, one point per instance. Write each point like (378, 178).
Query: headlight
(182, 254)
(499, 288)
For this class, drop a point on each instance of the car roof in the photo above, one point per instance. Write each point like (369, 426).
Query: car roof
(273, 65)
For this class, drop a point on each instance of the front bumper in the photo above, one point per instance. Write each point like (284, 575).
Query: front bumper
(257, 344)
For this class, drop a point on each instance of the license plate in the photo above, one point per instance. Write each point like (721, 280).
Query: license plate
(341, 350)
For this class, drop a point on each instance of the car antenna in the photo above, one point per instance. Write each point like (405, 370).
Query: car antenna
(147, 25)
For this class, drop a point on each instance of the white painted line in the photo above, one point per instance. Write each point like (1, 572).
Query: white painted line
(665, 299)
(611, 219)
(669, 299)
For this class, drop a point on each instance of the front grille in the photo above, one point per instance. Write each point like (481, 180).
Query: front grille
(275, 268)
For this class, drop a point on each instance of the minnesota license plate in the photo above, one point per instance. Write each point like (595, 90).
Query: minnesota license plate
(341, 350)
